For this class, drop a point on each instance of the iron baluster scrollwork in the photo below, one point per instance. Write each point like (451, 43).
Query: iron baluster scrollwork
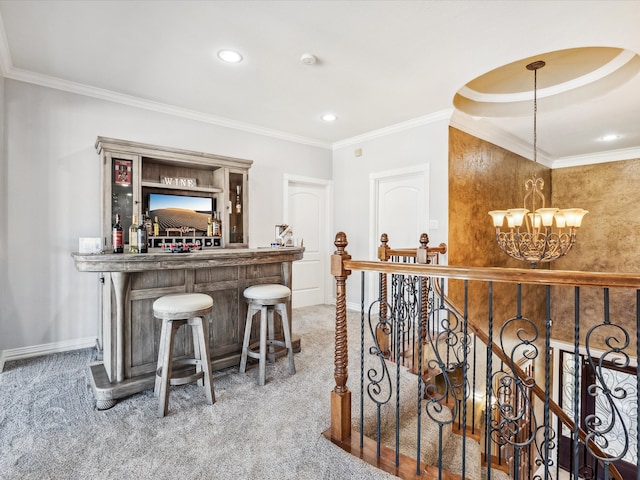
(444, 344)
(379, 327)
(405, 291)
(513, 423)
(379, 387)
(605, 427)
(542, 448)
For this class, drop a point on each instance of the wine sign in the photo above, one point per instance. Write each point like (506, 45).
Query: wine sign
(179, 181)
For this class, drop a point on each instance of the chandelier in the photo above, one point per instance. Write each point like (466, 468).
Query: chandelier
(531, 236)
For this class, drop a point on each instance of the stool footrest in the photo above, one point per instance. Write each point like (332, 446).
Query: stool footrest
(185, 379)
(178, 374)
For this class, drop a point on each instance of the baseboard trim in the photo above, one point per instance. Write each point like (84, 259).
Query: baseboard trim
(353, 306)
(45, 349)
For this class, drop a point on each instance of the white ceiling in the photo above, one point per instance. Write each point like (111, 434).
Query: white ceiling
(382, 64)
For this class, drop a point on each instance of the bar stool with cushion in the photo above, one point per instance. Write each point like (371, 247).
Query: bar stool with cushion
(267, 299)
(175, 311)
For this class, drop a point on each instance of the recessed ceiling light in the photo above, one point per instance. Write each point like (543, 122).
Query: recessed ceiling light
(329, 117)
(609, 138)
(229, 56)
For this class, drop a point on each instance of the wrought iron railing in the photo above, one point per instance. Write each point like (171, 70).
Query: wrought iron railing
(424, 365)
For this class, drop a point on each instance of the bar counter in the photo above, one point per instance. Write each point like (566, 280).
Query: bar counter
(132, 282)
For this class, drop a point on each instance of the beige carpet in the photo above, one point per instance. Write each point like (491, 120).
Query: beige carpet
(50, 429)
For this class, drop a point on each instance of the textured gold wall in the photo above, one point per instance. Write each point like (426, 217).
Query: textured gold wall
(608, 241)
(484, 177)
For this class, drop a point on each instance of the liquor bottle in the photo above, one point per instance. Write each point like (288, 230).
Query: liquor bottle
(142, 237)
(117, 236)
(133, 235)
(148, 224)
(156, 227)
(217, 226)
(209, 227)
(238, 204)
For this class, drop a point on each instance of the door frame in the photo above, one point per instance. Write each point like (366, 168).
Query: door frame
(375, 178)
(327, 185)
(587, 377)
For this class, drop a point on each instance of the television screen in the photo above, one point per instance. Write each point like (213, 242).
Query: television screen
(180, 214)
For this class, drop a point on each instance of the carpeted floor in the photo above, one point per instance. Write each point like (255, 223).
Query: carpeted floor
(50, 429)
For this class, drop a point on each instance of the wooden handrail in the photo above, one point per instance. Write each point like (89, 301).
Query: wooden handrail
(547, 277)
(385, 252)
(342, 266)
(498, 274)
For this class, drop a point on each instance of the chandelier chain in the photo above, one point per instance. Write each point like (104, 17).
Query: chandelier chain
(535, 120)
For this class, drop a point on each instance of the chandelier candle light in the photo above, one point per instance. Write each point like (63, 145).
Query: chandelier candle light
(531, 236)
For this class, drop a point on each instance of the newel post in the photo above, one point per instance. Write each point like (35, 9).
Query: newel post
(383, 334)
(422, 256)
(383, 256)
(340, 396)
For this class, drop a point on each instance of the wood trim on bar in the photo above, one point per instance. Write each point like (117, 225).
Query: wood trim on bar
(218, 257)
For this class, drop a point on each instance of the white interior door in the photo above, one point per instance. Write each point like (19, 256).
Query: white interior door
(400, 204)
(308, 214)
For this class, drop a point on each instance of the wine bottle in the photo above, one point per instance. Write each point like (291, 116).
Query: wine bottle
(117, 236)
(142, 237)
(133, 235)
(209, 227)
(156, 227)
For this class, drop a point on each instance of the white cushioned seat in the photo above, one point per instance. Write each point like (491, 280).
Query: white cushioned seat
(182, 302)
(267, 291)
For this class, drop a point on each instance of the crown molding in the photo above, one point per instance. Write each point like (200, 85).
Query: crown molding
(631, 153)
(502, 139)
(497, 136)
(397, 127)
(609, 68)
(110, 96)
